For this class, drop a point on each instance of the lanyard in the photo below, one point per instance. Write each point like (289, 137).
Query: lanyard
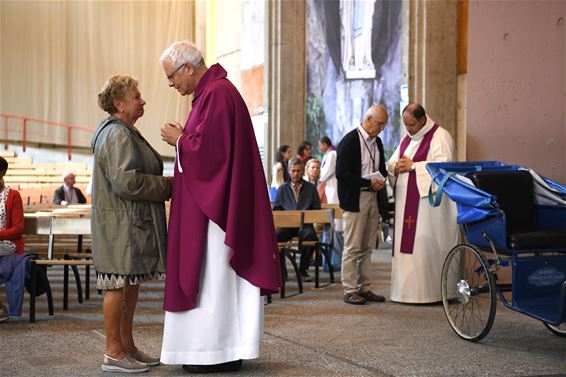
(370, 154)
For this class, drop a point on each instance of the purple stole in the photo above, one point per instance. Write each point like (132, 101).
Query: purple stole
(412, 199)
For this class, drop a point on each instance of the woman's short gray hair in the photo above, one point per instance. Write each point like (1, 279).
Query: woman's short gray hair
(182, 52)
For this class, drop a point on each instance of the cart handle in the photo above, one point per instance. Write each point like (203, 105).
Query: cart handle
(438, 196)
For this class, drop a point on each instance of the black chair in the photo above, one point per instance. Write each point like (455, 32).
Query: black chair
(514, 192)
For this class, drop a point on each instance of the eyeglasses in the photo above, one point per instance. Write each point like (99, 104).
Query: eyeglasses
(170, 77)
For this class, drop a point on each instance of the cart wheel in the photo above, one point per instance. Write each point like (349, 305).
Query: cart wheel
(559, 330)
(468, 292)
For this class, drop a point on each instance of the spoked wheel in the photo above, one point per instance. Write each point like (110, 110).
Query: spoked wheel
(468, 292)
(559, 330)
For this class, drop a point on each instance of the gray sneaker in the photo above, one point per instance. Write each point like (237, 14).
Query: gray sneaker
(127, 364)
(145, 358)
(4, 316)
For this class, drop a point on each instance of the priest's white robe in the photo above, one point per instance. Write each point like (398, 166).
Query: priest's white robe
(415, 278)
(227, 323)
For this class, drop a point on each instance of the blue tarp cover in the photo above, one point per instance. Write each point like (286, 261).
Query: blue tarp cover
(474, 204)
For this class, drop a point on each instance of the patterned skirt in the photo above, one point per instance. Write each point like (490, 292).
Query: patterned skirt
(106, 281)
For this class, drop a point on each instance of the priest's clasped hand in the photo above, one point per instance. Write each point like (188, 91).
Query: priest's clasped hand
(170, 132)
(404, 165)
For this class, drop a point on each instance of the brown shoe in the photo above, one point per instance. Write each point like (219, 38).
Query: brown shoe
(372, 297)
(354, 298)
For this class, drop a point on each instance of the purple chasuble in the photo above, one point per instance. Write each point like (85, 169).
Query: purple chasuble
(222, 181)
(413, 197)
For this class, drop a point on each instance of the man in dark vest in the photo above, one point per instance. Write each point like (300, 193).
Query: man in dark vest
(296, 195)
(360, 170)
(68, 193)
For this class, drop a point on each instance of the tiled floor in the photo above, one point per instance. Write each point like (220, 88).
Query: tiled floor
(313, 334)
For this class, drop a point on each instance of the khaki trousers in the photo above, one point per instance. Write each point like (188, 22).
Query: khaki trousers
(360, 236)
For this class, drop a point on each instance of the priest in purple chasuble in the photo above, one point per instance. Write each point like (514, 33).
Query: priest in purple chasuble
(222, 250)
(423, 235)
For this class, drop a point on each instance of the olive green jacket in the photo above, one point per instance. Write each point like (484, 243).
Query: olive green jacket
(129, 233)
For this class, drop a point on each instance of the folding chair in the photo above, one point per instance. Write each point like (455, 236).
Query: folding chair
(323, 217)
(289, 219)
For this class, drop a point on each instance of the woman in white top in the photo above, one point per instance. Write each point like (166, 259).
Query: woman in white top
(279, 172)
(329, 186)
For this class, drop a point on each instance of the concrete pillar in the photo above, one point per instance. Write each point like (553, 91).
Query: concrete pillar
(433, 57)
(286, 74)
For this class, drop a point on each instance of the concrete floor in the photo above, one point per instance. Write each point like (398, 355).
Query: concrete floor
(313, 334)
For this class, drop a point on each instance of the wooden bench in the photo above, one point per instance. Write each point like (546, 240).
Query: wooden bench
(66, 224)
(49, 263)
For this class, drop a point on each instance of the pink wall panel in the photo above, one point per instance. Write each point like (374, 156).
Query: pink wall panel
(516, 84)
(252, 89)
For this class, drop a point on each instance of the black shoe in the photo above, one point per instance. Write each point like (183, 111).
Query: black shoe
(305, 276)
(230, 366)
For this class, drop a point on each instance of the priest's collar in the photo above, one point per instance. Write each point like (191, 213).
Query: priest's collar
(427, 127)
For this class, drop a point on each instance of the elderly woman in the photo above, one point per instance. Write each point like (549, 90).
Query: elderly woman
(128, 219)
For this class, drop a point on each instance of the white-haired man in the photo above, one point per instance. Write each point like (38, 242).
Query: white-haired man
(222, 250)
(68, 193)
(359, 160)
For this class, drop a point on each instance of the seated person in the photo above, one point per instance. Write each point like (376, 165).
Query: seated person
(297, 194)
(312, 171)
(68, 194)
(312, 175)
(12, 258)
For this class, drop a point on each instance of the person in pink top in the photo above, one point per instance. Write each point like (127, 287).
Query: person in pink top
(222, 252)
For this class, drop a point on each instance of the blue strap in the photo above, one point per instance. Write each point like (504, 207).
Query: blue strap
(438, 197)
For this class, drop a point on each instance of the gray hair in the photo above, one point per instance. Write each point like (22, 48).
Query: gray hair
(374, 110)
(296, 161)
(68, 173)
(182, 52)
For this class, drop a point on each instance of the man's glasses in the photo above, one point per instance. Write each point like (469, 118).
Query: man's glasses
(170, 77)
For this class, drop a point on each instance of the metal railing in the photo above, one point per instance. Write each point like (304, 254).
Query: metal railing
(25, 135)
